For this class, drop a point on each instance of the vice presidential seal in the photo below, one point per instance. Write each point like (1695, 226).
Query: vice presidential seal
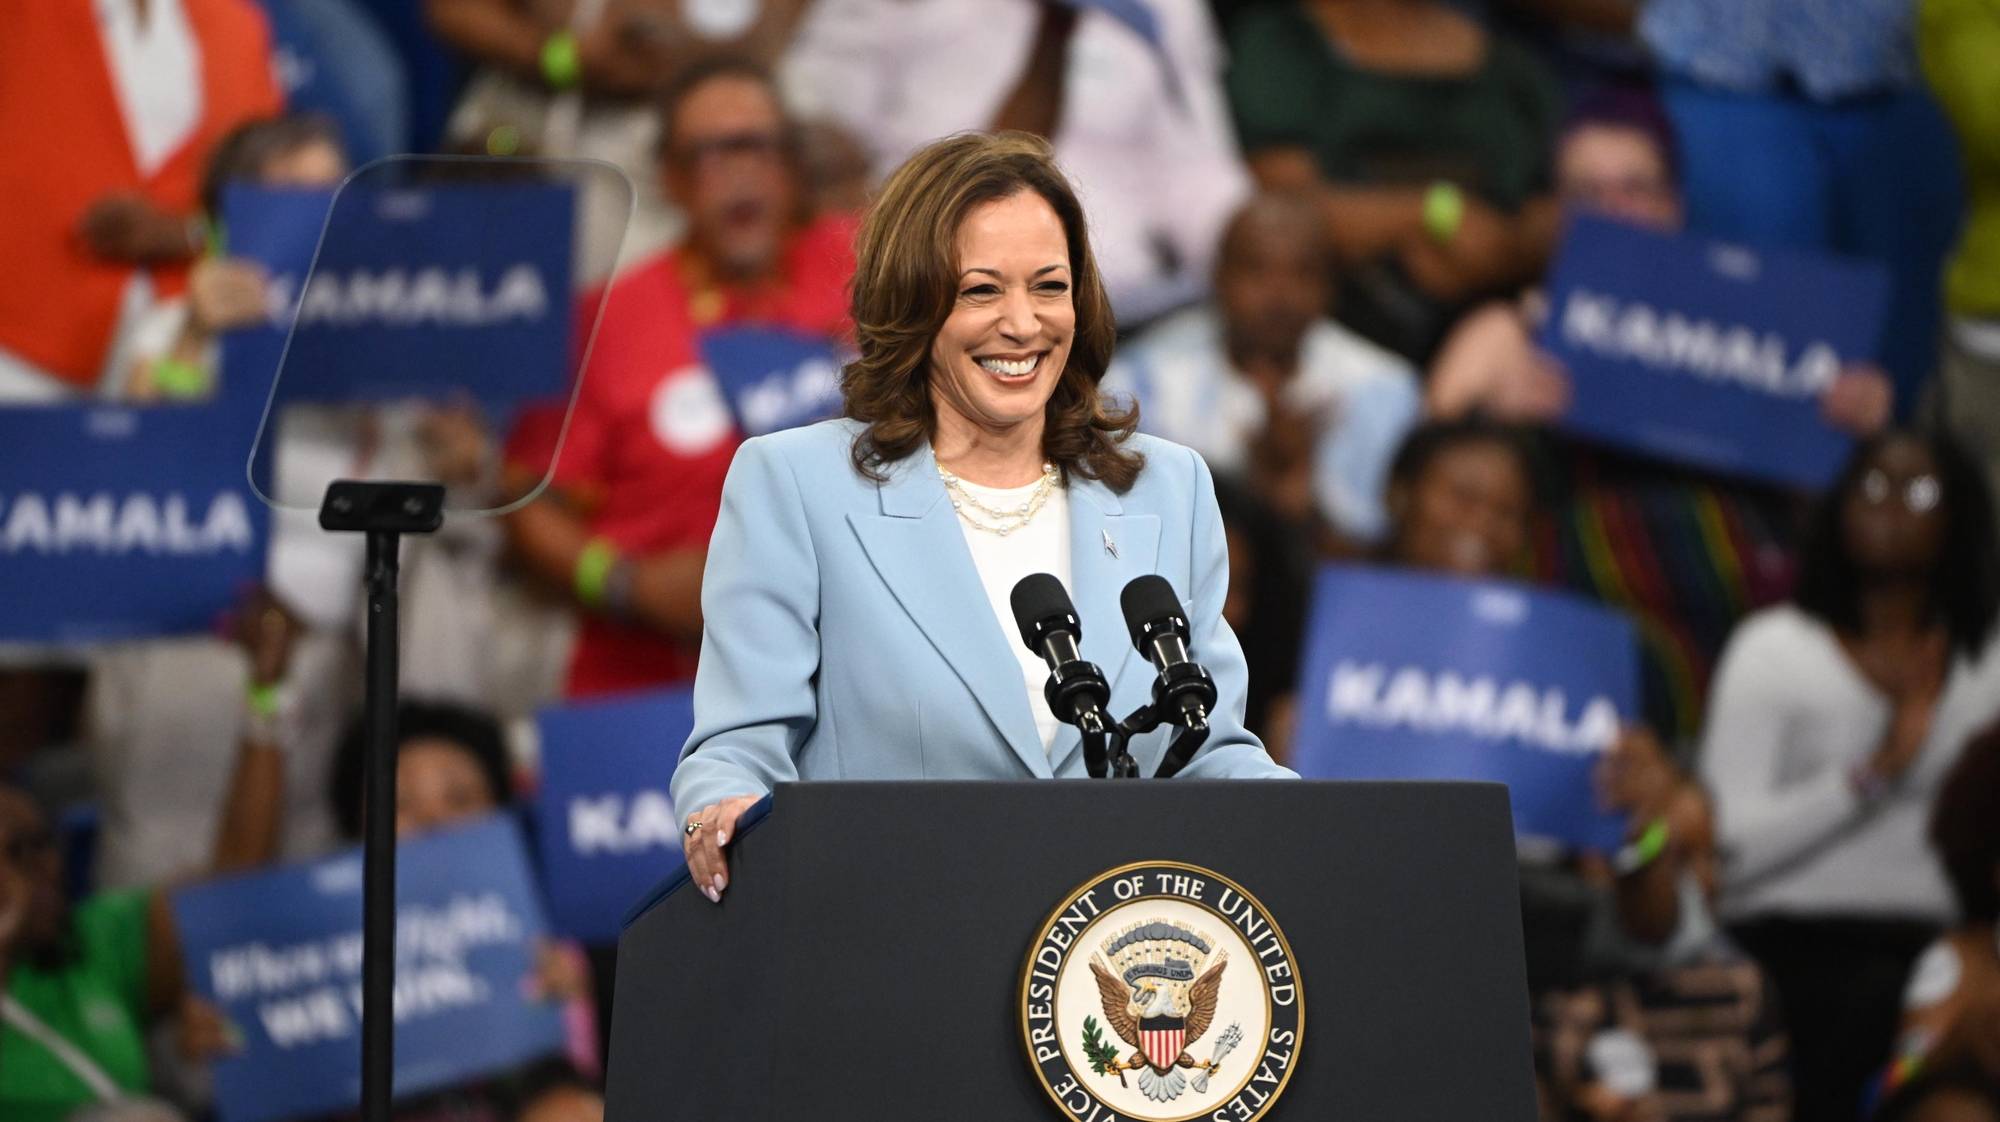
(1162, 992)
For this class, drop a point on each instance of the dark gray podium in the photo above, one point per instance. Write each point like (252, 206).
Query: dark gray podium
(868, 959)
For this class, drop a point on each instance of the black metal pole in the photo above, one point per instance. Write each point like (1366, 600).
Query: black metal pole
(378, 916)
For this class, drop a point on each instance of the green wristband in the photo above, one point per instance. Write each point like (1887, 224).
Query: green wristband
(263, 700)
(180, 381)
(593, 571)
(1444, 211)
(562, 63)
(1643, 851)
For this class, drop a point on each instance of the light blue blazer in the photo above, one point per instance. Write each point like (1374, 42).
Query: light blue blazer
(846, 633)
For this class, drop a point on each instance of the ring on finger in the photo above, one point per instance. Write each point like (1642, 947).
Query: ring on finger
(693, 827)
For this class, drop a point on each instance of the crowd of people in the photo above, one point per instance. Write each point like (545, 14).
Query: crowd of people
(1325, 227)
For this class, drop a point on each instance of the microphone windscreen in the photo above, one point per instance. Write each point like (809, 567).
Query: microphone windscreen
(1147, 600)
(1037, 598)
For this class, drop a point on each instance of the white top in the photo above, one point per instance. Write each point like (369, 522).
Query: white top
(1364, 398)
(1789, 718)
(1158, 175)
(1042, 546)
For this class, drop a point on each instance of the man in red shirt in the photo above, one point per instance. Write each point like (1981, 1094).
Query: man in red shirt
(624, 528)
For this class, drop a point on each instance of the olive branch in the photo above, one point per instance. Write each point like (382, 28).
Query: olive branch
(1103, 1056)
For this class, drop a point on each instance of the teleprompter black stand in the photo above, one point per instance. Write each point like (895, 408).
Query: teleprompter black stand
(867, 959)
(384, 512)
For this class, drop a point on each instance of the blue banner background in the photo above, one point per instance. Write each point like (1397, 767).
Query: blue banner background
(1473, 630)
(1787, 303)
(439, 292)
(91, 546)
(773, 379)
(606, 830)
(470, 918)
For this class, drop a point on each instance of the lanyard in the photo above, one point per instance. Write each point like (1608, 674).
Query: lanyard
(83, 1067)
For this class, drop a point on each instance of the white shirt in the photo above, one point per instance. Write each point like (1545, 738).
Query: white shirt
(1790, 716)
(1365, 398)
(1042, 546)
(1158, 174)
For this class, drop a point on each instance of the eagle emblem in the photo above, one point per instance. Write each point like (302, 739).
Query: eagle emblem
(1158, 983)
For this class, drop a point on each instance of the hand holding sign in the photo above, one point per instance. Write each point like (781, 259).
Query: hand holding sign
(1711, 354)
(279, 954)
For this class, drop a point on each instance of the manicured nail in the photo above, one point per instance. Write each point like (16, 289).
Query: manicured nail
(722, 837)
(714, 897)
(721, 882)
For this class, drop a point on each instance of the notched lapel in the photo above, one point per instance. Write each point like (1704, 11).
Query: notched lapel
(919, 551)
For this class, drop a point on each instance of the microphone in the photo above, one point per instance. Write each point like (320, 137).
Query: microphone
(1183, 693)
(1076, 691)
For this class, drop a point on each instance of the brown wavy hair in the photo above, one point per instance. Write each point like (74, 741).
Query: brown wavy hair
(906, 283)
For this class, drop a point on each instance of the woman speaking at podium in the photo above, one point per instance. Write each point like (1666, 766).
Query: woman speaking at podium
(856, 600)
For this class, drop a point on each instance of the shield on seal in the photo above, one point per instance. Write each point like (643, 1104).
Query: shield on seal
(1161, 1038)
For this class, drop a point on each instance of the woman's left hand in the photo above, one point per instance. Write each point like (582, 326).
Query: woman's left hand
(706, 864)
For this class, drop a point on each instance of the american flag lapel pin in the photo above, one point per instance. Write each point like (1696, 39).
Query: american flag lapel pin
(1110, 546)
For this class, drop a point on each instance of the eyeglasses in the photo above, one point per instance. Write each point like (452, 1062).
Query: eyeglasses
(1921, 494)
(759, 145)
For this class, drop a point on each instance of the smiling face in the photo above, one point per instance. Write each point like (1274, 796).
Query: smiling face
(1000, 353)
(726, 167)
(1466, 513)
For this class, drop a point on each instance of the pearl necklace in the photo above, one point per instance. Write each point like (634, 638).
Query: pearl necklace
(1003, 522)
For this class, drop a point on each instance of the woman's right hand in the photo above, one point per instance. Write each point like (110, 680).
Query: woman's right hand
(706, 864)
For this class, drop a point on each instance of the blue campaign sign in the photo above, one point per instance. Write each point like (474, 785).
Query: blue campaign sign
(120, 523)
(279, 953)
(1500, 683)
(1710, 354)
(605, 826)
(435, 292)
(773, 378)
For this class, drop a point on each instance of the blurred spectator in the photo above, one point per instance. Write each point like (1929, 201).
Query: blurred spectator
(173, 347)
(1695, 1033)
(1788, 112)
(1141, 127)
(1833, 723)
(1959, 41)
(1460, 497)
(452, 767)
(1951, 1006)
(1227, 377)
(625, 527)
(578, 78)
(1426, 136)
(1684, 553)
(78, 983)
(100, 181)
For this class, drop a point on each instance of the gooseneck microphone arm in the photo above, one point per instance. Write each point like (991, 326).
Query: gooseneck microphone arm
(1183, 692)
(1077, 691)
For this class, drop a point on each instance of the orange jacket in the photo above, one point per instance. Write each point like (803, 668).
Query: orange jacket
(63, 147)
